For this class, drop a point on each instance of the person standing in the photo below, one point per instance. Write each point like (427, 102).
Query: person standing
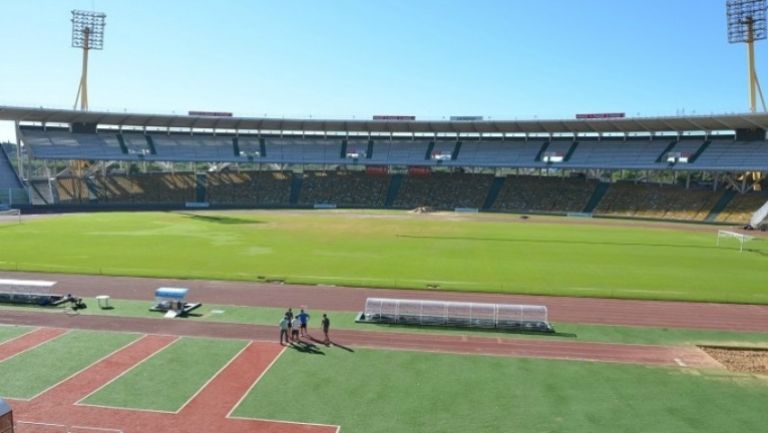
(284, 329)
(295, 329)
(326, 325)
(289, 315)
(303, 320)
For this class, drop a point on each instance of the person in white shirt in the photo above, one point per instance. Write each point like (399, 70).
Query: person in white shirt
(295, 329)
(284, 329)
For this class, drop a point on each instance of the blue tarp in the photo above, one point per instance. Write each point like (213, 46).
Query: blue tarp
(177, 293)
(4, 408)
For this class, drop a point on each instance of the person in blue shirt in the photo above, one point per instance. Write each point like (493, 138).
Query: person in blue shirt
(303, 320)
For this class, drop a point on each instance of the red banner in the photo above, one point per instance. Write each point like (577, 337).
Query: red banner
(391, 117)
(599, 115)
(210, 113)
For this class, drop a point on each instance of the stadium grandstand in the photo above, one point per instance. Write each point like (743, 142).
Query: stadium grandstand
(695, 168)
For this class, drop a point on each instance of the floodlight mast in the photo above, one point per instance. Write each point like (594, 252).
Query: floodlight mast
(747, 24)
(88, 34)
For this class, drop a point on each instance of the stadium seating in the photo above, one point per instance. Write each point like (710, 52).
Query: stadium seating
(344, 188)
(658, 201)
(201, 148)
(69, 146)
(251, 188)
(630, 154)
(734, 155)
(498, 153)
(741, 208)
(445, 191)
(634, 153)
(153, 188)
(399, 152)
(544, 194)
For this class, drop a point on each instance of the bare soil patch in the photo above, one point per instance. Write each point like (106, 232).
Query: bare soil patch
(740, 360)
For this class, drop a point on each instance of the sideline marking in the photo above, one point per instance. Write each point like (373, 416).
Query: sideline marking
(133, 367)
(84, 368)
(253, 385)
(55, 337)
(212, 378)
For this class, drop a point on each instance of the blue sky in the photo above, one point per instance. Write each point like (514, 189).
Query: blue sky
(429, 58)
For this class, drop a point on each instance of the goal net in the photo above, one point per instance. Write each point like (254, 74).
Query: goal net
(739, 237)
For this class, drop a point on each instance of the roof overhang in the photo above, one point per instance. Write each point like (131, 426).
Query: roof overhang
(534, 126)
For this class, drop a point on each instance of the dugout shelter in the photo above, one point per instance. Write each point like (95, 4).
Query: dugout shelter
(456, 314)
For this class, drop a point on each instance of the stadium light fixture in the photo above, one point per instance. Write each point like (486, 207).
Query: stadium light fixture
(747, 24)
(88, 34)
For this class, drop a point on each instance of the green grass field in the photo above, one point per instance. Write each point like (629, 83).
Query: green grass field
(168, 379)
(8, 332)
(385, 391)
(496, 253)
(31, 372)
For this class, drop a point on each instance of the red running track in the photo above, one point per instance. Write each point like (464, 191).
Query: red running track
(604, 352)
(730, 317)
(207, 411)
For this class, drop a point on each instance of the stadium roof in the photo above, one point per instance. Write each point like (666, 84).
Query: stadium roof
(611, 125)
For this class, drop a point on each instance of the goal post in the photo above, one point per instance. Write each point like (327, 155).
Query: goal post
(728, 234)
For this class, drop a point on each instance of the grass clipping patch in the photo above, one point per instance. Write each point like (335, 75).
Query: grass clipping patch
(741, 360)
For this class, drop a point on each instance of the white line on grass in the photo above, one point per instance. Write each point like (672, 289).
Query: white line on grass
(253, 385)
(133, 367)
(211, 379)
(36, 345)
(84, 368)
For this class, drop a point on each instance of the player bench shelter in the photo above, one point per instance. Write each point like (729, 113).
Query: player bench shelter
(456, 314)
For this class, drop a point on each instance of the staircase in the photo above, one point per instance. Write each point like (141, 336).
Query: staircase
(394, 188)
(698, 153)
(720, 205)
(369, 151)
(543, 149)
(663, 156)
(94, 191)
(572, 149)
(121, 142)
(235, 146)
(343, 153)
(456, 150)
(493, 192)
(8, 176)
(151, 144)
(597, 197)
(296, 180)
(430, 148)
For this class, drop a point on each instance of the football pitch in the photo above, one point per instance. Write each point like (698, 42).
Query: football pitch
(491, 253)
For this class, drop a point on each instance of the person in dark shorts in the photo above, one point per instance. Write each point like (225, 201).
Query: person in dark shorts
(326, 325)
(289, 315)
(284, 329)
(303, 320)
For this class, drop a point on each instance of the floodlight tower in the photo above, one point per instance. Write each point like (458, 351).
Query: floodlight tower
(747, 24)
(88, 34)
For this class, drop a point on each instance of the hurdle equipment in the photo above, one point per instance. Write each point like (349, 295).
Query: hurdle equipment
(456, 314)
